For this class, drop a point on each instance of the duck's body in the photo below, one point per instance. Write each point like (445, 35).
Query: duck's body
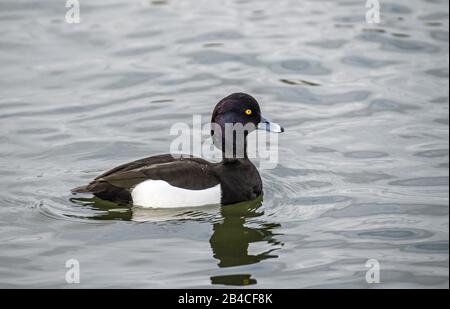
(166, 181)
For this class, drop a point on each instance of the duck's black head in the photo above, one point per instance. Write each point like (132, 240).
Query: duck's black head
(243, 109)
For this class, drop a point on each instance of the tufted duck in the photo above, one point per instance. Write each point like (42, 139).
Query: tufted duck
(165, 181)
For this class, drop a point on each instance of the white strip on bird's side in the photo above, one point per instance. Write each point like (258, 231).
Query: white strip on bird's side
(161, 194)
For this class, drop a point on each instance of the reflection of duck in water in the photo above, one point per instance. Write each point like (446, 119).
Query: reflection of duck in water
(232, 235)
(231, 238)
(105, 210)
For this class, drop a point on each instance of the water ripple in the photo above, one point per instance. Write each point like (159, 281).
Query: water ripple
(363, 164)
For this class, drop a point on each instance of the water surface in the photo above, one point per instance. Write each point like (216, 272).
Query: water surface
(363, 167)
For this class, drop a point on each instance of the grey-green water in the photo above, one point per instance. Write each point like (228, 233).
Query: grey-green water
(364, 163)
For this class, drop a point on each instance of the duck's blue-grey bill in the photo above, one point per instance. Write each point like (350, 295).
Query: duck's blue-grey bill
(270, 126)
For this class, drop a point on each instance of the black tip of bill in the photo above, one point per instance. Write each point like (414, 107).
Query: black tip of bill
(270, 126)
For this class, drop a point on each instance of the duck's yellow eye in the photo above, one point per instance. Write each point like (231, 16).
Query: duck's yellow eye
(248, 111)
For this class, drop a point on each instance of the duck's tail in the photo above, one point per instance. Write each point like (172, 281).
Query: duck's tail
(82, 189)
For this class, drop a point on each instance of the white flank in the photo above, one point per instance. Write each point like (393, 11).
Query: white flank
(160, 194)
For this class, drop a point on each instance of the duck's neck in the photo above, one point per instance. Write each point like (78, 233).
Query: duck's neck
(238, 151)
(233, 146)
